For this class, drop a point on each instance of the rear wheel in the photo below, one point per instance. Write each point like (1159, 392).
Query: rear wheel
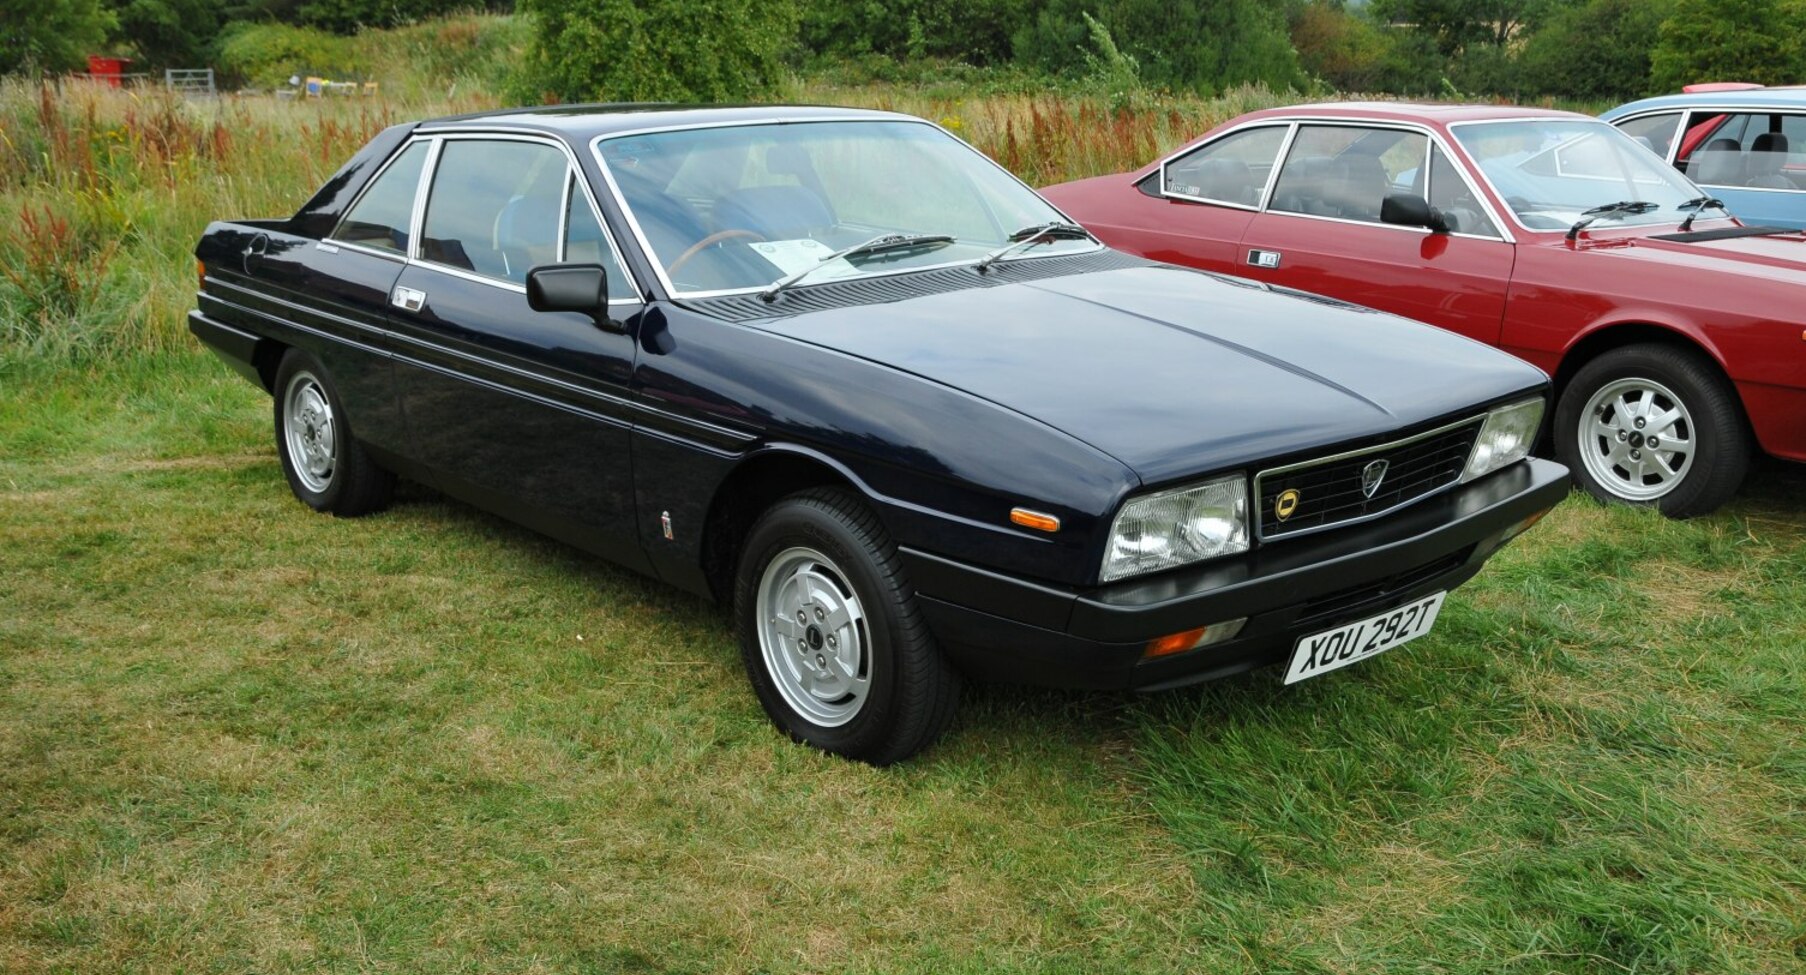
(325, 465)
(1654, 425)
(830, 634)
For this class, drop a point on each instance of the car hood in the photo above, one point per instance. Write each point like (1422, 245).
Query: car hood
(1176, 372)
(1774, 256)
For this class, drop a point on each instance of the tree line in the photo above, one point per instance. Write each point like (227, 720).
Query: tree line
(725, 49)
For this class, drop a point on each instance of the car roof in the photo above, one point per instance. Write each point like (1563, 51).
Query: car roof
(583, 122)
(1790, 97)
(1425, 112)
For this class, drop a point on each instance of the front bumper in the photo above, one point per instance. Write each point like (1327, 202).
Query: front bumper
(999, 627)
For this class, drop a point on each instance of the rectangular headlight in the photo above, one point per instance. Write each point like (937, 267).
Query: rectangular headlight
(1184, 525)
(1505, 439)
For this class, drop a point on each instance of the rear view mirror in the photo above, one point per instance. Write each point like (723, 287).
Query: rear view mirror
(1411, 210)
(572, 287)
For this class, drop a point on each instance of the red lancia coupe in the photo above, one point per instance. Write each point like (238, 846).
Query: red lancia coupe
(1675, 334)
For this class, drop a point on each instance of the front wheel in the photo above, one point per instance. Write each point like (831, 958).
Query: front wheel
(1654, 425)
(833, 643)
(326, 467)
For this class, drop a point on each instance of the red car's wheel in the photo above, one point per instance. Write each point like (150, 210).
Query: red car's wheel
(1654, 425)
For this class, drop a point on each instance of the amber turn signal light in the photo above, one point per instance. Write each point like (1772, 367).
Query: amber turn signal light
(1174, 643)
(1039, 521)
(200, 275)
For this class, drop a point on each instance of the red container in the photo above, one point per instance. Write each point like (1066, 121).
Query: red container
(108, 70)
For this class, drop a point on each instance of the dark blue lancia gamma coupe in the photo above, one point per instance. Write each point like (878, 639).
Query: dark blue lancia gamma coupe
(840, 370)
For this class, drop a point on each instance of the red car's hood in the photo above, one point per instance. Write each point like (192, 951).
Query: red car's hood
(1776, 257)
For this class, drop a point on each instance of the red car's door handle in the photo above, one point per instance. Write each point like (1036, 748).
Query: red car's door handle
(1261, 258)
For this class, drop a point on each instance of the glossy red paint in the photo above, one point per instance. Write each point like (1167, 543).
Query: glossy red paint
(1551, 301)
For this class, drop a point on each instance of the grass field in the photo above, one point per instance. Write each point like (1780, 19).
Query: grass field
(236, 736)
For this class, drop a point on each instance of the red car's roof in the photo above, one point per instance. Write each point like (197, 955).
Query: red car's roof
(1427, 112)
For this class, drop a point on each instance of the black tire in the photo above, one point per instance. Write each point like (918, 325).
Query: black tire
(827, 542)
(325, 465)
(1668, 381)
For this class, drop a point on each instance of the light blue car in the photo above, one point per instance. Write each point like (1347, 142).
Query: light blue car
(1745, 144)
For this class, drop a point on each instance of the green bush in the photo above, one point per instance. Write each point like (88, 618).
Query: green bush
(656, 50)
(1730, 40)
(977, 31)
(1598, 51)
(50, 35)
(1205, 47)
(1348, 51)
(267, 55)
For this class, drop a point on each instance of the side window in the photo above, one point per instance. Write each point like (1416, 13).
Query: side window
(1229, 170)
(495, 207)
(585, 243)
(1653, 132)
(381, 217)
(1450, 194)
(1712, 152)
(1346, 171)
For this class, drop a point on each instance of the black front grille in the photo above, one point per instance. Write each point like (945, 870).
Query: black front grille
(1321, 494)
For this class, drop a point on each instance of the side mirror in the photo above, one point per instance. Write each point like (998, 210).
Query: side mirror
(1411, 210)
(572, 287)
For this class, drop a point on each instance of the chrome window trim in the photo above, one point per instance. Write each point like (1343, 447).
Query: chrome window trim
(1260, 514)
(413, 211)
(1484, 199)
(572, 170)
(658, 269)
(1481, 174)
(1285, 144)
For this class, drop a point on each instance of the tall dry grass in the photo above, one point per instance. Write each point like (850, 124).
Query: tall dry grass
(103, 192)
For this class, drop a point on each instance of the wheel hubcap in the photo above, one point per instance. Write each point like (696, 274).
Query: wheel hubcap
(308, 425)
(1636, 439)
(813, 637)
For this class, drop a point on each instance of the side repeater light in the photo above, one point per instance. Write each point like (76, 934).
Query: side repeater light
(1038, 520)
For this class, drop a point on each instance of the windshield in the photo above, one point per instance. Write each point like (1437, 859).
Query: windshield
(1551, 171)
(739, 208)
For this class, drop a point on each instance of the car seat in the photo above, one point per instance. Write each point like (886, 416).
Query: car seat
(1768, 154)
(1720, 163)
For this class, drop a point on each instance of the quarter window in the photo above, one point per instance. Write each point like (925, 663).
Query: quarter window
(1450, 194)
(1233, 169)
(1656, 132)
(495, 207)
(1346, 171)
(586, 243)
(382, 216)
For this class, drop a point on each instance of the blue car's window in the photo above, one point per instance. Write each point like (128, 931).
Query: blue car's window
(1551, 170)
(495, 207)
(1233, 169)
(382, 216)
(586, 243)
(1345, 171)
(735, 208)
(1451, 195)
(1653, 132)
(1757, 150)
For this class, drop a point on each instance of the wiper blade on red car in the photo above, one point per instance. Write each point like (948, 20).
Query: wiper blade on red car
(1699, 205)
(1610, 210)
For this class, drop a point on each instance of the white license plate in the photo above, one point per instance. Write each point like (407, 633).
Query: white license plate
(1330, 650)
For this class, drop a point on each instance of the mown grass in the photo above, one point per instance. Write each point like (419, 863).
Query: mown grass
(237, 736)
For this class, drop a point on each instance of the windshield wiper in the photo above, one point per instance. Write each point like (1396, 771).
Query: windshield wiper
(1699, 205)
(877, 245)
(1619, 208)
(1030, 236)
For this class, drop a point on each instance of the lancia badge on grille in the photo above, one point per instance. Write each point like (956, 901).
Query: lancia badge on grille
(1372, 475)
(1286, 504)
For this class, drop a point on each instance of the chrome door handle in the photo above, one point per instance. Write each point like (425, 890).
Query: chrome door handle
(408, 299)
(1264, 259)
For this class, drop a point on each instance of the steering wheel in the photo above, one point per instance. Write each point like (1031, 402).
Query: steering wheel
(731, 233)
